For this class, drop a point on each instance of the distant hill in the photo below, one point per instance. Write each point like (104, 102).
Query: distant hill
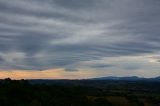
(155, 79)
(128, 78)
(82, 81)
(91, 81)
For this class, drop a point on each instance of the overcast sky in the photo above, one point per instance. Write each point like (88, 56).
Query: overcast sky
(79, 38)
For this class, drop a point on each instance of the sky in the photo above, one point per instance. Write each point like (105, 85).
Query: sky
(76, 39)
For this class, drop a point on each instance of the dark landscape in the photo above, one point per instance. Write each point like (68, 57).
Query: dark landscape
(79, 52)
(91, 92)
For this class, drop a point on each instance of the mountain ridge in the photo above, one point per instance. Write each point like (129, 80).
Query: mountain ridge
(127, 78)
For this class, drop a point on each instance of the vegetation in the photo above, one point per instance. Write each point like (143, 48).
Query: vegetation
(79, 93)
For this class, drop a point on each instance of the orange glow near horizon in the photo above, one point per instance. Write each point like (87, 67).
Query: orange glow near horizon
(45, 74)
(60, 73)
(32, 74)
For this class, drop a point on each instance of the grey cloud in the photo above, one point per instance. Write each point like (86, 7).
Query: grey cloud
(71, 70)
(1, 59)
(155, 58)
(132, 67)
(59, 33)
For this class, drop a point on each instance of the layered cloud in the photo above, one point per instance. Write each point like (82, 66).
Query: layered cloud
(41, 35)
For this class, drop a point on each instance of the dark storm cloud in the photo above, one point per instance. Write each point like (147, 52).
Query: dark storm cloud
(58, 33)
(102, 65)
